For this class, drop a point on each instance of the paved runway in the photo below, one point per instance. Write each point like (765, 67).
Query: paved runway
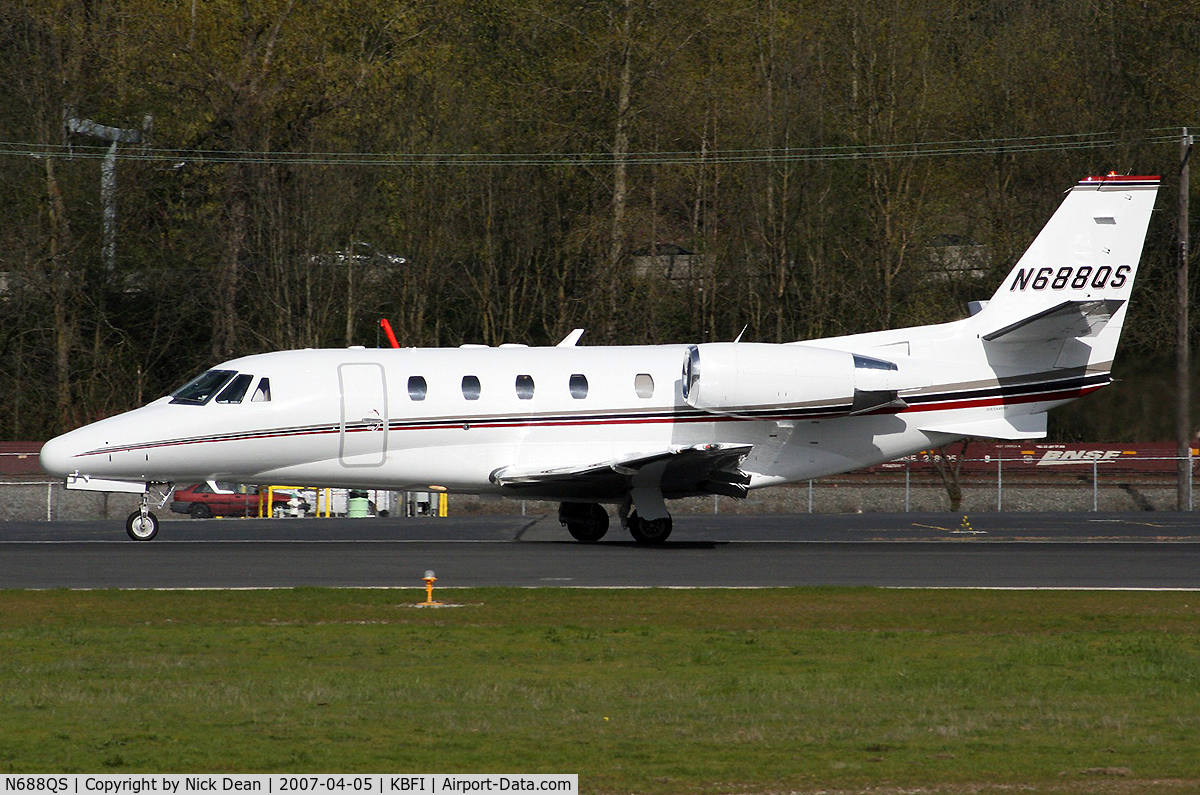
(1018, 550)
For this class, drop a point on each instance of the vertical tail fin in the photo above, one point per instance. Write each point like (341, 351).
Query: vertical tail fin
(1063, 305)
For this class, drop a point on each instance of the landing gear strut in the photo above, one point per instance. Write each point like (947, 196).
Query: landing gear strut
(585, 521)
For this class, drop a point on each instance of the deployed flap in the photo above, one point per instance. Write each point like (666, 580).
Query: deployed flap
(685, 470)
(1020, 426)
(1068, 320)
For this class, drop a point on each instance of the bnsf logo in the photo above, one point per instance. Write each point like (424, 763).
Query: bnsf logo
(1068, 276)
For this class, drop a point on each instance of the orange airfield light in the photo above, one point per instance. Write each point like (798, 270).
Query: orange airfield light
(430, 579)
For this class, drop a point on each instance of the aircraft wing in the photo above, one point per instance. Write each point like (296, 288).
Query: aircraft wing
(681, 471)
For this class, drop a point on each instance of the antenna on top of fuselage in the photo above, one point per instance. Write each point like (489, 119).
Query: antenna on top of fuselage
(740, 333)
(570, 340)
(387, 329)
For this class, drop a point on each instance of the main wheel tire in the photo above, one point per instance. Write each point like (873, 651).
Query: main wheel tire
(200, 511)
(141, 528)
(587, 522)
(649, 531)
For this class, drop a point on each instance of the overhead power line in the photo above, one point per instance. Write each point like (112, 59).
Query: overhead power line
(922, 149)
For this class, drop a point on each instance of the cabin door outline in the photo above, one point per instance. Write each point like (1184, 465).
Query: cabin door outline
(363, 432)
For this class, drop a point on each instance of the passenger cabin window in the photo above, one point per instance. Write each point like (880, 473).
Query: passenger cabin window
(236, 389)
(470, 387)
(525, 387)
(643, 385)
(579, 386)
(416, 387)
(262, 392)
(201, 389)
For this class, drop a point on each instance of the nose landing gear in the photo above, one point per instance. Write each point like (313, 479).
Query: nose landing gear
(142, 524)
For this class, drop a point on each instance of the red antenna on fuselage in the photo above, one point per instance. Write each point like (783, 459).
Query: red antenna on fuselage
(387, 329)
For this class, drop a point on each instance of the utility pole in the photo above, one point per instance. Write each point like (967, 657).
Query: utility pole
(1183, 428)
(108, 172)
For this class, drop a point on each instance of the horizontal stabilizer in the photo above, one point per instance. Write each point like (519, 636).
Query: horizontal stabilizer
(1068, 320)
(1020, 426)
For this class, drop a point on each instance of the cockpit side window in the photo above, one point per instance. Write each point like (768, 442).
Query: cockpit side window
(236, 389)
(201, 389)
(262, 393)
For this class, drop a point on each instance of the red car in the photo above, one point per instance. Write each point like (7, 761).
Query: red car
(201, 500)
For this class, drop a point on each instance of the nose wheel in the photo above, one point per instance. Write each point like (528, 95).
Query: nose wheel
(141, 525)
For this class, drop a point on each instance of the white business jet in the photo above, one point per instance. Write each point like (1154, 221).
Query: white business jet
(634, 426)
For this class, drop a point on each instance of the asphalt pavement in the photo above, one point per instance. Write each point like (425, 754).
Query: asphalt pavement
(996, 550)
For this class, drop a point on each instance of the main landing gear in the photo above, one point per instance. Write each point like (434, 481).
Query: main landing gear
(649, 531)
(588, 522)
(585, 521)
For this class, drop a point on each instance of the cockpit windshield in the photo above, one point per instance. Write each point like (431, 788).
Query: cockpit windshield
(229, 386)
(201, 389)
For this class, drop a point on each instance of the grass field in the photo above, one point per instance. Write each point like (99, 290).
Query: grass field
(654, 691)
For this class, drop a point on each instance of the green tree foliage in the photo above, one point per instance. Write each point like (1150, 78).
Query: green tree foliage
(506, 170)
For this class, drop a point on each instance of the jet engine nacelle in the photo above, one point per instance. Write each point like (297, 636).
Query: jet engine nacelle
(740, 378)
(735, 377)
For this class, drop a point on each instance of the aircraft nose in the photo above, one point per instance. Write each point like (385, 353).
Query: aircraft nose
(58, 456)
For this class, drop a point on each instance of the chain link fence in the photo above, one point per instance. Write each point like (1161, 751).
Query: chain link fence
(991, 484)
